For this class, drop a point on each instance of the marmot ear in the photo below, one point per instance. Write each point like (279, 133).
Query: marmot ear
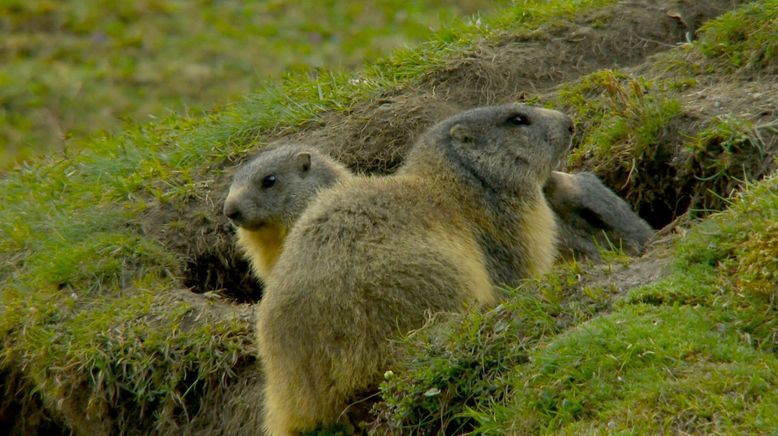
(303, 160)
(460, 133)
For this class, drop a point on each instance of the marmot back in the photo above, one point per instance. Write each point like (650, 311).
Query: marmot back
(591, 216)
(372, 257)
(270, 192)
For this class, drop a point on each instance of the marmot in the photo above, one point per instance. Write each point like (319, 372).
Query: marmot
(591, 216)
(372, 257)
(270, 192)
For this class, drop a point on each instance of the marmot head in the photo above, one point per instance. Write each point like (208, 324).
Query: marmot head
(504, 147)
(276, 186)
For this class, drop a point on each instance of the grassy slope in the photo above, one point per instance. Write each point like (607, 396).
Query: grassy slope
(70, 69)
(79, 281)
(693, 352)
(573, 353)
(81, 284)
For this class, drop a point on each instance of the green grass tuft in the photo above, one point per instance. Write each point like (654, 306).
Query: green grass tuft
(723, 155)
(746, 38)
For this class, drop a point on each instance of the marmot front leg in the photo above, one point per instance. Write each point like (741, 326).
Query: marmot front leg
(591, 216)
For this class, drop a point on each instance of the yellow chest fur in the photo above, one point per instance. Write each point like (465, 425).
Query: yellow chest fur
(262, 247)
(541, 234)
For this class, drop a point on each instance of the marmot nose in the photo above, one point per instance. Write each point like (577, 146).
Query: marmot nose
(232, 211)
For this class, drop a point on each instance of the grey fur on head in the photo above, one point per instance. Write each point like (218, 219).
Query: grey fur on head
(474, 145)
(277, 184)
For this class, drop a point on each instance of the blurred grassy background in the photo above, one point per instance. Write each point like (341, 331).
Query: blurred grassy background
(74, 68)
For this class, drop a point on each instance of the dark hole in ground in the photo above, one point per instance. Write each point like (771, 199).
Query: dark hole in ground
(22, 411)
(677, 180)
(659, 200)
(209, 272)
(652, 187)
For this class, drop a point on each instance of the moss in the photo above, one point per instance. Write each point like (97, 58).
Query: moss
(621, 345)
(739, 247)
(694, 287)
(728, 264)
(635, 360)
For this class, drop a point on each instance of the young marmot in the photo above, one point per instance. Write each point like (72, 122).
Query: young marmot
(372, 257)
(270, 192)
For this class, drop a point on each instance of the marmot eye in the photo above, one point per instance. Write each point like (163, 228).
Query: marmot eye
(518, 120)
(268, 181)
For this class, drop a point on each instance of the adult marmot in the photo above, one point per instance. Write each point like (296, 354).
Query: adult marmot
(270, 192)
(591, 216)
(372, 257)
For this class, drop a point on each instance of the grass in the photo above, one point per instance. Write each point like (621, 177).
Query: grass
(629, 126)
(73, 69)
(619, 111)
(455, 367)
(745, 39)
(724, 154)
(89, 318)
(693, 352)
(637, 134)
(82, 284)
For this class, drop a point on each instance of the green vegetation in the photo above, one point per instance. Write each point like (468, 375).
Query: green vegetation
(92, 317)
(746, 38)
(724, 154)
(620, 114)
(80, 284)
(459, 366)
(630, 125)
(70, 69)
(694, 351)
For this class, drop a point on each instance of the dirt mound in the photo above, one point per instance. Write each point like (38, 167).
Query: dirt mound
(375, 135)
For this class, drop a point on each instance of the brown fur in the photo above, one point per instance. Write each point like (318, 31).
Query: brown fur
(264, 214)
(591, 217)
(372, 257)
